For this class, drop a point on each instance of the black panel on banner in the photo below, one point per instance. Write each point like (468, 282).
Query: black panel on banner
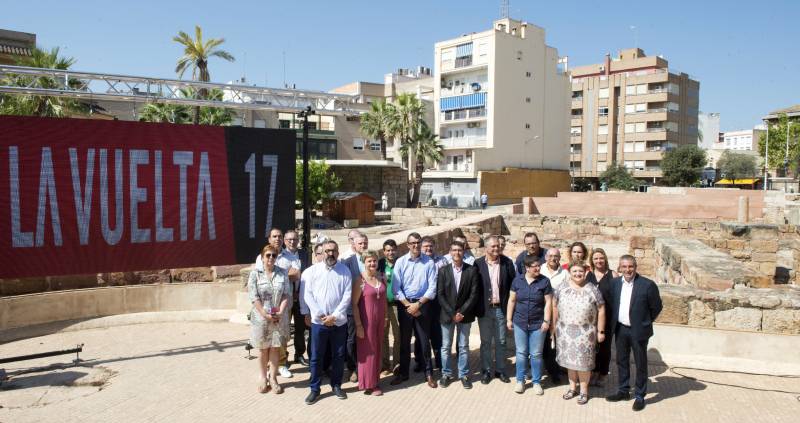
(252, 155)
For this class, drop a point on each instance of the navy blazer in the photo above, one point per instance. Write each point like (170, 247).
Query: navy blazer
(465, 301)
(644, 308)
(507, 275)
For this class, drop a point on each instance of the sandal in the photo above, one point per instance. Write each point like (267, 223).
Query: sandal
(583, 399)
(570, 394)
(278, 388)
(263, 386)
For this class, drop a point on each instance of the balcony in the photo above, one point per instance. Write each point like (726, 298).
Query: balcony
(465, 170)
(469, 141)
(463, 115)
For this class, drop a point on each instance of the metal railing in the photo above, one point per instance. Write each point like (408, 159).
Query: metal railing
(464, 142)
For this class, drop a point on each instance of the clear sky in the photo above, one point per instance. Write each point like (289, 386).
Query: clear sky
(744, 53)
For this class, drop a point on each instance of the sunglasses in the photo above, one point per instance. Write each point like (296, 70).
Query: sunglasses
(270, 255)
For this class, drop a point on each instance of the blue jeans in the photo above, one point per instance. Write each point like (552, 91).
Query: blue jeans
(324, 337)
(463, 348)
(493, 329)
(529, 343)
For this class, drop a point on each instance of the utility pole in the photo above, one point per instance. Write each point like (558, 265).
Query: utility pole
(306, 245)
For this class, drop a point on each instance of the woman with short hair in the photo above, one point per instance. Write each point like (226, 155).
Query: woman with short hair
(577, 253)
(579, 318)
(269, 290)
(369, 313)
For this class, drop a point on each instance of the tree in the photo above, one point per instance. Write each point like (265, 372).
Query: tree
(616, 176)
(37, 105)
(683, 166)
(736, 165)
(407, 120)
(777, 141)
(321, 183)
(176, 113)
(195, 55)
(427, 151)
(377, 123)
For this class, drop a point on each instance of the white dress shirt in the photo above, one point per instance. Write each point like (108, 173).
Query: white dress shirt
(326, 291)
(457, 275)
(625, 302)
(556, 277)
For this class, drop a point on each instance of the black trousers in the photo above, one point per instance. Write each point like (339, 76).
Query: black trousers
(300, 328)
(625, 344)
(603, 357)
(549, 357)
(350, 356)
(435, 332)
(421, 327)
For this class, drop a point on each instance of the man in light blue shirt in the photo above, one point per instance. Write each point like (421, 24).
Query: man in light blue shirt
(414, 287)
(468, 257)
(327, 290)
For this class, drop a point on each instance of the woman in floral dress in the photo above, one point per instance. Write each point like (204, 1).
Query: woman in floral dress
(579, 318)
(270, 292)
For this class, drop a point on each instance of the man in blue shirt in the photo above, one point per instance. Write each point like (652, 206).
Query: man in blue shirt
(414, 287)
(532, 248)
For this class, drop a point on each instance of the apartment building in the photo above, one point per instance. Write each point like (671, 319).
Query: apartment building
(500, 102)
(15, 45)
(743, 141)
(630, 109)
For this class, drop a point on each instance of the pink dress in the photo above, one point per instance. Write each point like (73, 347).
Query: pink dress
(372, 308)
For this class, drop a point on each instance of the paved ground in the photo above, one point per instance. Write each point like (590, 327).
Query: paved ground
(196, 372)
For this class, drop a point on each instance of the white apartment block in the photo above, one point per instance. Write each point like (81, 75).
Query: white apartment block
(738, 140)
(500, 101)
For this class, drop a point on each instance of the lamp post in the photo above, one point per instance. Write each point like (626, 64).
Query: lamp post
(766, 158)
(306, 245)
(786, 158)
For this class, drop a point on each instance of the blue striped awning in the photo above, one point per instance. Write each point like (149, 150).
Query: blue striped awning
(463, 50)
(462, 102)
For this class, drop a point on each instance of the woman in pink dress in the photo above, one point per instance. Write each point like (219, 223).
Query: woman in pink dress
(369, 312)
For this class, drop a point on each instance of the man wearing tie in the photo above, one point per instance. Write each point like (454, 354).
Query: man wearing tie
(457, 292)
(635, 304)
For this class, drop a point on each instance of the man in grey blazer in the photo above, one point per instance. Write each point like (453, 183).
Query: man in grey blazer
(635, 305)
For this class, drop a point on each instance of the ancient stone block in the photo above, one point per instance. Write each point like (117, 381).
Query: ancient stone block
(763, 232)
(676, 309)
(193, 274)
(22, 286)
(739, 318)
(785, 321)
(735, 244)
(643, 242)
(700, 314)
(613, 223)
(58, 283)
(680, 224)
(764, 246)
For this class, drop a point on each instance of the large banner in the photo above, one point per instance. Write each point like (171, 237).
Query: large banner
(87, 196)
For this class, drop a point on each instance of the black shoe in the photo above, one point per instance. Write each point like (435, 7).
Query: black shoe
(502, 376)
(337, 390)
(466, 383)
(619, 396)
(418, 368)
(398, 379)
(312, 397)
(302, 360)
(638, 404)
(445, 381)
(486, 378)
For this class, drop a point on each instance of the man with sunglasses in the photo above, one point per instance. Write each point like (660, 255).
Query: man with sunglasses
(327, 290)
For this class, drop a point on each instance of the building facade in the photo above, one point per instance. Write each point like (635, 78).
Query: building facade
(707, 130)
(500, 102)
(15, 45)
(630, 109)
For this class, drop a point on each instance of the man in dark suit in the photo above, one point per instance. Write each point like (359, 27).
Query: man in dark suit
(457, 293)
(635, 304)
(496, 272)
(354, 263)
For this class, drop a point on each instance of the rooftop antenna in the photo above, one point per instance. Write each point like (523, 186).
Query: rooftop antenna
(504, 9)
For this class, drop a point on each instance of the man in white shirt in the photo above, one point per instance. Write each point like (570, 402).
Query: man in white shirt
(469, 258)
(327, 289)
(557, 275)
(351, 249)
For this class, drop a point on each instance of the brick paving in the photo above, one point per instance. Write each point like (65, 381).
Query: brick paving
(195, 372)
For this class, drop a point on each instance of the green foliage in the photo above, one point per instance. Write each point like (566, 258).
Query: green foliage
(616, 176)
(175, 113)
(377, 123)
(736, 165)
(777, 141)
(426, 150)
(321, 183)
(683, 166)
(581, 184)
(44, 106)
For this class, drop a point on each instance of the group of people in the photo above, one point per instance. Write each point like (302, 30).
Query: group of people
(563, 318)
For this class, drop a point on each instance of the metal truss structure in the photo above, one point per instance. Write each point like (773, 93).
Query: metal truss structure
(88, 86)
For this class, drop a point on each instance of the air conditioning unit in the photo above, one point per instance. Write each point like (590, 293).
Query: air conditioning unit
(476, 86)
(602, 68)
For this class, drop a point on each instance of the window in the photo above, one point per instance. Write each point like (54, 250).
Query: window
(601, 166)
(628, 149)
(527, 99)
(641, 127)
(641, 107)
(483, 49)
(641, 89)
(639, 147)
(630, 90)
(575, 130)
(672, 126)
(602, 148)
(629, 164)
(527, 126)
(528, 74)
(630, 109)
(603, 93)
(602, 111)
(602, 130)
(358, 144)
(577, 113)
(317, 149)
(375, 146)
(630, 128)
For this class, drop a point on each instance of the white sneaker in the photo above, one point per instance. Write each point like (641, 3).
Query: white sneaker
(537, 389)
(284, 371)
(520, 388)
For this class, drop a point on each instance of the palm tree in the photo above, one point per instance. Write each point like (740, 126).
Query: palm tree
(35, 105)
(218, 116)
(196, 53)
(165, 113)
(409, 112)
(427, 150)
(378, 122)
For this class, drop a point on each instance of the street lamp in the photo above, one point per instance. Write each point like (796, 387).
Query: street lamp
(786, 158)
(766, 157)
(306, 245)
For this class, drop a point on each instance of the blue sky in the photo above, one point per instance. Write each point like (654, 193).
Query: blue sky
(745, 56)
